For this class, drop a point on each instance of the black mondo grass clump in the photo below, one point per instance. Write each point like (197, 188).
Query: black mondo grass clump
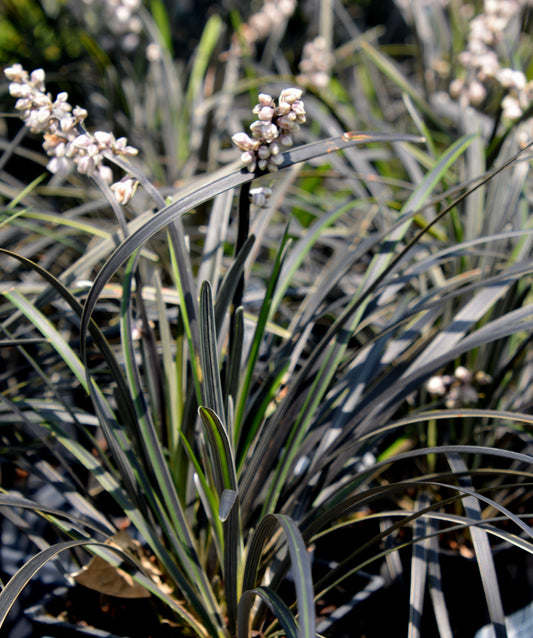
(280, 379)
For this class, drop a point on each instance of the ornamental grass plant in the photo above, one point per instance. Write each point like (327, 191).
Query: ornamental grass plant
(253, 372)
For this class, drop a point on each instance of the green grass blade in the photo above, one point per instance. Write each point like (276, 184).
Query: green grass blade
(208, 41)
(95, 524)
(181, 270)
(19, 198)
(211, 383)
(300, 563)
(482, 550)
(419, 567)
(226, 479)
(45, 327)
(172, 386)
(231, 281)
(207, 188)
(264, 316)
(435, 584)
(216, 235)
(332, 503)
(221, 450)
(162, 21)
(329, 352)
(22, 577)
(275, 604)
(391, 71)
(233, 365)
(185, 544)
(95, 332)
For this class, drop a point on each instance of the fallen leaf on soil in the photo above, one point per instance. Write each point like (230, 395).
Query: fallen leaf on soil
(105, 578)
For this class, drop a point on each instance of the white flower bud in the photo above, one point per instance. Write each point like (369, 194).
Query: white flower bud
(23, 104)
(40, 100)
(16, 89)
(16, 73)
(43, 115)
(125, 189)
(290, 95)
(263, 152)
(66, 124)
(259, 196)
(243, 141)
(482, 378)
(476, 93)
(82, 141)
(124, 149)
(511, 79)
(266, 100)
(266, 131)
(153, 52)
(299, 110)
(258, 129)
(59, 165)
(38, 76)
(61, 97)
(511, 108)
(247, 158)
(104, 138)
(266, 113)
(105, 173)
(463, 374)
(79, 113)
(456, 87)
(436, 385)
(276, 160)
(85, 164)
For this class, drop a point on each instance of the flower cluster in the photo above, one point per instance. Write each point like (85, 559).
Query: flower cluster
(118, 17)
(488, 32)
(267, 20)
(66, 141)
(316, 63)
(272, 130)
(460, 389)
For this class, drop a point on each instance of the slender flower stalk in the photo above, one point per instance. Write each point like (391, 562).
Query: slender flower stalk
(66, 141)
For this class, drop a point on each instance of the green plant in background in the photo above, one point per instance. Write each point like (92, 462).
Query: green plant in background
(40, 32)
(259, 381)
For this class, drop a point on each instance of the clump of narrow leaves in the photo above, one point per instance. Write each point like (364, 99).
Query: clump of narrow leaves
(317, 340)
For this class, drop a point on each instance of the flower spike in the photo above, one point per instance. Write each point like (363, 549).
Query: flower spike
(66, 141)
(272, 130)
